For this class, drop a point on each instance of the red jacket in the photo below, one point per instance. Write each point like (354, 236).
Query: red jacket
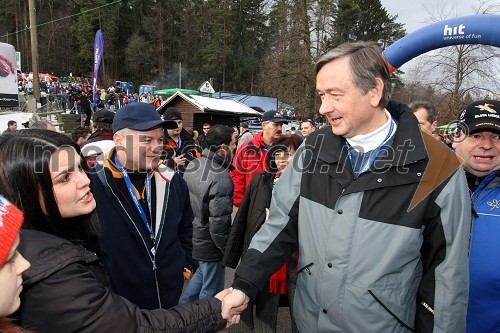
(250, 159)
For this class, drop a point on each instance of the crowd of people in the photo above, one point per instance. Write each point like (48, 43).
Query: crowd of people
(368, 224)
(77, 97)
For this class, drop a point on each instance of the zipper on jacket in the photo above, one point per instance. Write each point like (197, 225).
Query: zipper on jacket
(402, 323)
(158, 238)
(152, 258)
(156, 283)
(305, 268)
(473, 203)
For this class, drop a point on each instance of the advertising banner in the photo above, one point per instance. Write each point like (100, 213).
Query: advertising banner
(98, 51)
(472, 29)
(8, 76)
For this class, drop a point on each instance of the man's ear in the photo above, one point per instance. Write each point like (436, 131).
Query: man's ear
(117, 138)
(434, 126)
(375, 92)
(457, 138)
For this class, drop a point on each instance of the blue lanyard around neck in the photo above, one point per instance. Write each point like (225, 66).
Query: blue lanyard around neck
(179, 143)
(368, 163)
(130, 188)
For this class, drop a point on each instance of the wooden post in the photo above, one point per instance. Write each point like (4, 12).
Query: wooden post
(34, 50)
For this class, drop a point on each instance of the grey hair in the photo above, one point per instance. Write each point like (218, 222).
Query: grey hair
(431, 110)
(41, 124)
(367, 64)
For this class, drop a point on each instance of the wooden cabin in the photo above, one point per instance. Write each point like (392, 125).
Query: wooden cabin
(197, 110)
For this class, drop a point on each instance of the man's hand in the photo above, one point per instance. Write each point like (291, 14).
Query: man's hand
(233, 304)
(223, 293)
(233, 318)
(179, 160)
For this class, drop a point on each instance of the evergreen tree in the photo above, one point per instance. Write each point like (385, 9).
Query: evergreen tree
(248, 40)
(364, 20)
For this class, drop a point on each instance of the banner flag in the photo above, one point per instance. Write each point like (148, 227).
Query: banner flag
(98, 51)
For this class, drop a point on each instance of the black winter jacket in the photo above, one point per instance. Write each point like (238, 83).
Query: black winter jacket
(250, 217)
(66, 290)
(188, 148)
(211, 193)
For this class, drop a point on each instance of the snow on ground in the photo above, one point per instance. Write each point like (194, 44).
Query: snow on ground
(19, 117)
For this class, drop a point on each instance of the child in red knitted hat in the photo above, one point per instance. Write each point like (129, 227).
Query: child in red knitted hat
(12, 264)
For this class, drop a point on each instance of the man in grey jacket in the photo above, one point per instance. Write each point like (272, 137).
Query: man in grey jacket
(245, 134)
(211, 193)
(378, 210)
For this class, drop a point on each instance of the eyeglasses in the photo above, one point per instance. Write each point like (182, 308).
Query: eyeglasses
(206, 128)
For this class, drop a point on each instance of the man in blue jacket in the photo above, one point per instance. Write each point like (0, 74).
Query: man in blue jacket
(478, 143)
(144, 210)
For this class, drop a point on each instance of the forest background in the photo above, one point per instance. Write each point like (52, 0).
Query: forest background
(261, 47)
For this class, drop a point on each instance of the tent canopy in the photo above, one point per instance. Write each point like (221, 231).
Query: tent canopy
(171, 91)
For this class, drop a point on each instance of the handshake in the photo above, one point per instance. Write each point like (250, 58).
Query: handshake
(234, 302)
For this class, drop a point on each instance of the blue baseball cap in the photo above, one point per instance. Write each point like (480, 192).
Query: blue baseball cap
(140, 117)
(273, 116)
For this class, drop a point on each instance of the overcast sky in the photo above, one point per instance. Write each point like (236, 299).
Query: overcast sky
(415, 13)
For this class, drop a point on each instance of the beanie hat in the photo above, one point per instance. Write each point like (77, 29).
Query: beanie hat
(172, 114)
(11, 219)
(103, 116)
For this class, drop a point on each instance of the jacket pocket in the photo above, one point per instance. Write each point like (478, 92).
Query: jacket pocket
(305, 269)
(401, 322)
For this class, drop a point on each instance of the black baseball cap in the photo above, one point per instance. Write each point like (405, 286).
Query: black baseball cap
(308, 120)
(483, 115)
(273, 116)
(140, 117)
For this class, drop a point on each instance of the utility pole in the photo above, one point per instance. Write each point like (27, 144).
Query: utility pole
(180, 75)
(34, 50)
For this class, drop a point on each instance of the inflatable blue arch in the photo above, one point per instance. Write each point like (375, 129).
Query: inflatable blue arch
(481, 29)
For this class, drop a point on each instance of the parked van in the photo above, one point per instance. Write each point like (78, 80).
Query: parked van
(146, 88)
(126, 87)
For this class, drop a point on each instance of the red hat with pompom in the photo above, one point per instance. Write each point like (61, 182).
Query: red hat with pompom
(11, 219)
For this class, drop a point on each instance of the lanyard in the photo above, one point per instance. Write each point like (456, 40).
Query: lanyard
(179, 143)
(130, 188)
(368, 162)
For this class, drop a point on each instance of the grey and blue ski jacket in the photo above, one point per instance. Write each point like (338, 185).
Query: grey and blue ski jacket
(367, 262)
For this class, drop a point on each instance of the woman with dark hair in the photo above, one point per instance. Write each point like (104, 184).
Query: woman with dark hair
(67, 289)
(26, 164)
(251, 215)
